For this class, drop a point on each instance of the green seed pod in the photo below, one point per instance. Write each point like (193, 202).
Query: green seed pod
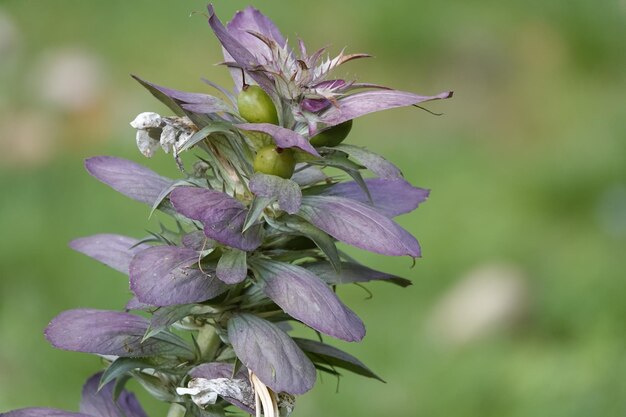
(333, 136)
(256, 106)
(275, 161)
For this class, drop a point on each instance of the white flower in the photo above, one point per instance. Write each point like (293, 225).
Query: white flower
(147, 120)
(146, 144)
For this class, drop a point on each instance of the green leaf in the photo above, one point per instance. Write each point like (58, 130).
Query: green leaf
(164, 317)
(372, 161)
(232, 267)
(168, 101)
(329, 356)
(353, 272)
(121, 366)
(340, 161)
(213, 127)
(295, 224)
(255, 210)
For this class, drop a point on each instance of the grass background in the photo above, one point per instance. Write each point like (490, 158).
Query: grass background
(527, 167)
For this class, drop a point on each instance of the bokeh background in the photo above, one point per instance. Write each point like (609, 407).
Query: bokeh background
(518, 306)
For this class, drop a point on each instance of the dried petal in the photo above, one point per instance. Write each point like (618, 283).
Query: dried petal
(147, 120)
(146, 144)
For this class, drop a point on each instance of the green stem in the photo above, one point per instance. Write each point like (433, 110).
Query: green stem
(176, 410)
(208, 341)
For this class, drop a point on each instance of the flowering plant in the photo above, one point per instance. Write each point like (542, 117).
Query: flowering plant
(254, 247)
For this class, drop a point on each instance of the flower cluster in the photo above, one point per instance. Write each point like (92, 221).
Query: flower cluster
(254, 248)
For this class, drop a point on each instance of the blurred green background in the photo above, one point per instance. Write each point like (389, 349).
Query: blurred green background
(518, 306)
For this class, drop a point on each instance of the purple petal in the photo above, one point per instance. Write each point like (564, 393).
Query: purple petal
(305, 297)
(169, 275)
(239, 52)
(223, 217)
(135, 304)
(197, 240)
(285, 191)
(110, 333)
(372, 161)
(42, 412)
(360, 104)
(244, 22)
(115, 251)
(390, 197)
(207, 100)
(271, 354)
(352, 272)
(232, 267)
(359, 225)
(99, 402)
(330, 85)
(284, 138)
(214, 370)
(128, 178)
(252, 20)
(314, 105)
(206, 108)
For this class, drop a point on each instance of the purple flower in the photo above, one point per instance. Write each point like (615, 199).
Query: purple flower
(249, 249)
(95, 402)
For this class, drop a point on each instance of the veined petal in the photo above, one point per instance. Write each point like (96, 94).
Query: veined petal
(215, 103)
(390, 197)
(99, 402)
(305, 297)
(112, 250)
(284, 138)
(359, 225)
(110, 333)
(360, 104)
(223, 217)
(239, 52)
(126, 177)
(271, 354)
(169, 275)
(252, 20)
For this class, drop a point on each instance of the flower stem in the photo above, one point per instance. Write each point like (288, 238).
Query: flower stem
(208, 341)
(176, 410)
